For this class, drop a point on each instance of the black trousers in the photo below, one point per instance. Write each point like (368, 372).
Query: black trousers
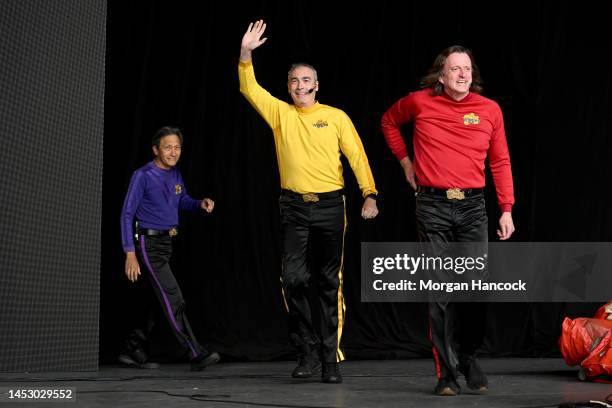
(308, 228)
(153, 254)
(456, 330)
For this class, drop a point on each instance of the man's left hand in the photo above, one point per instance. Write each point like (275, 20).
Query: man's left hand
(207, 205)
(369, 209)
(506, 226)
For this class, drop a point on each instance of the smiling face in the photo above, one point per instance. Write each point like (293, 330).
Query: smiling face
(168, 152)
(457, 75)
(303, 86)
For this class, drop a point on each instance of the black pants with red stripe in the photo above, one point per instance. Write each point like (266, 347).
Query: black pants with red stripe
(456, 328)
(153, 254)
(313, 241)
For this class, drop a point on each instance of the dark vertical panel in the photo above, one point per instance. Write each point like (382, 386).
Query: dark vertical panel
(51, 127)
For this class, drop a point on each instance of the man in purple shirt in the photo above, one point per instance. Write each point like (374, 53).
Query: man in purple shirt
(149, 220)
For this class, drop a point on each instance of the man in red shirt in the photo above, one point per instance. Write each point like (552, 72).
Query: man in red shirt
(455, 130)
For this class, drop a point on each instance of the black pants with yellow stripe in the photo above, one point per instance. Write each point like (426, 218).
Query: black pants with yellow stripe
(456, 329)
(313, 245)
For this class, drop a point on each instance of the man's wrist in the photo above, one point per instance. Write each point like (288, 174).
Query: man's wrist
(245, 55)
(373, 196)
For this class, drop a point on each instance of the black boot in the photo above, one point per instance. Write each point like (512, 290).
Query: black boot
(136, 360)
(205, 359)
(475, 378)
(447, 383)
(331, 373)
(133, 353)
(307, 365)
(447, 387)
(308, 359)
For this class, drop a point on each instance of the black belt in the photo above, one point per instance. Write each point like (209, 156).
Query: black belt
(148, 232)
(451, 193)
(313, 197)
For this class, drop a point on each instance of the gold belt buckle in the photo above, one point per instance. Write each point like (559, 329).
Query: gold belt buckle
(310, 198)
(173, 232)
(455, 193)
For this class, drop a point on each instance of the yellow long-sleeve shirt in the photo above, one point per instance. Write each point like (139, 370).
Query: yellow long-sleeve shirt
(309, 141)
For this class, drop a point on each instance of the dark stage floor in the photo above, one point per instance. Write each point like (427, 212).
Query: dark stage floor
(393, 383)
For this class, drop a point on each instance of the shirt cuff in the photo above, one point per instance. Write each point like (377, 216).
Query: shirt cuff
(505, 208)
(401, 154)
(369, 192)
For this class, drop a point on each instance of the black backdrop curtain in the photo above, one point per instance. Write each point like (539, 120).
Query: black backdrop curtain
(174, 63)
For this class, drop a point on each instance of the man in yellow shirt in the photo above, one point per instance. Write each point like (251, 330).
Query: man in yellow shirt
(309, 139)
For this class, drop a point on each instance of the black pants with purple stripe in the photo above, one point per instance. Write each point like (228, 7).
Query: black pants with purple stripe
(154, 256)
(456, 328)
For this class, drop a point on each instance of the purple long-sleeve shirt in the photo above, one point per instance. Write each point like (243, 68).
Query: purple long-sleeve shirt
(154, 198)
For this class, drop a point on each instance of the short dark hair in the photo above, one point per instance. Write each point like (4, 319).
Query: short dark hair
(166, 131)
(431, 80)
(302, 64)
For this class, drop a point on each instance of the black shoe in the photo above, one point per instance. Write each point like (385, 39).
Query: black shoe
(204, 360)
(475, 379)
(128, 360)
(447, 387)
(132, 351)
(308, 364)
(331, 373)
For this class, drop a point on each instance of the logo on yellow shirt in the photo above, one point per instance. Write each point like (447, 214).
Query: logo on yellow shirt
(320, 124)
(471, 119)
(178, 189)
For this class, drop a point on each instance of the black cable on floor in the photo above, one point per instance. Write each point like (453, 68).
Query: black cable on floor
(208, 398)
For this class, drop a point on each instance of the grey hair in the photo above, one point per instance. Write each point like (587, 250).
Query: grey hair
(302, 64)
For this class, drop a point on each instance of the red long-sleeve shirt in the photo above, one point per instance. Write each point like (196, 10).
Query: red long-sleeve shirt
(451, 140)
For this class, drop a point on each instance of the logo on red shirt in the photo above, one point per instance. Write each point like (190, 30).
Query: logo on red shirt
(471, 119)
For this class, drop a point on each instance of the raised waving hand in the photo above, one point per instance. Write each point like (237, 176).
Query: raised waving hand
(252, 39)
